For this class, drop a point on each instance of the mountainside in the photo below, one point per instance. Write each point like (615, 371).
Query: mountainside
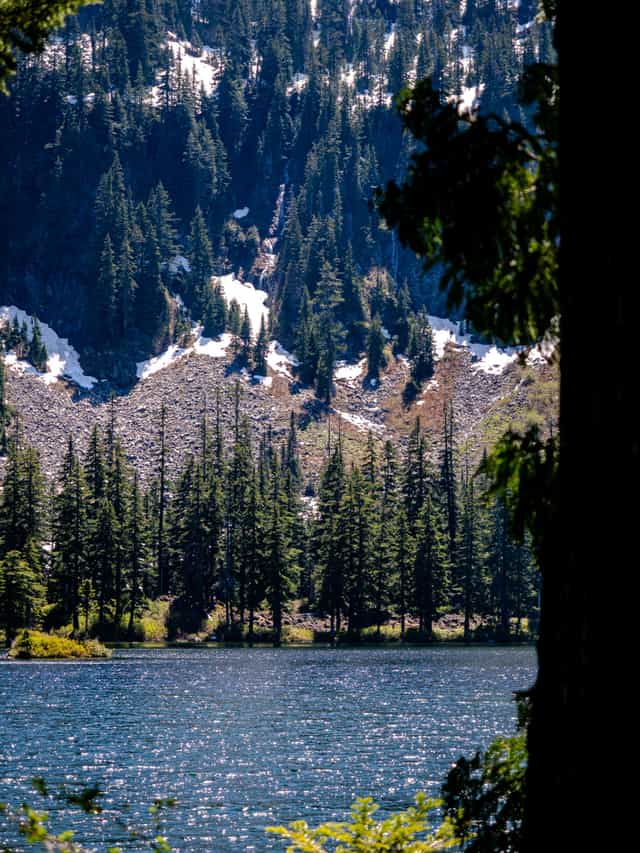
(152, 145)
(490, 390)
(161, 158)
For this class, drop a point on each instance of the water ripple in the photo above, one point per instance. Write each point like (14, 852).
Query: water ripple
(244, 738)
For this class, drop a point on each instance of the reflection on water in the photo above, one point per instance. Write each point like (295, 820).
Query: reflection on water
(245, 738)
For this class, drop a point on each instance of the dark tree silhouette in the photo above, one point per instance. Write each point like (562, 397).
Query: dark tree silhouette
(482, 199)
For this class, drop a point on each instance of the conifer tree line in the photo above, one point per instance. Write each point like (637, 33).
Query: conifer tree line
(406, 536)
(120, 172)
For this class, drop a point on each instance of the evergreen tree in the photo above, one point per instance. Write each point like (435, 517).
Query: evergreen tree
(260, 351)
(328, 554)
(420, 349)
(37, 354)
(21, 594)
(430, 567)
(106, 295)
(71, 537)
(280, 565)
(376, 359)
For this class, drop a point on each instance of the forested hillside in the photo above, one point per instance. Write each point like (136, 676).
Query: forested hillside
(155, 144)
(398, 534)
(186, 200)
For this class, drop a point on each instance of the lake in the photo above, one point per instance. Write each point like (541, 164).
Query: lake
(245, 738)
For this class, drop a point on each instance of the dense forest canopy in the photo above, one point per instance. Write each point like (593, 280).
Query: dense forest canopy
(153, 144)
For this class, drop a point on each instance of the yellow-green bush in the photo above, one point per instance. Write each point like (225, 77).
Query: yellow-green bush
(406, 830)
(296, 634)
(388, 634)
(35, 644)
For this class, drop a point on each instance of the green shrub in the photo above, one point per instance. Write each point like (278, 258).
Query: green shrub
(388, 634)
(484, 797)
(35, 644)
(297, 634)
(152, 629)
(403, 831)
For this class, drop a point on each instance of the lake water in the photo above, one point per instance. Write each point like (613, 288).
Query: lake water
(245, 738)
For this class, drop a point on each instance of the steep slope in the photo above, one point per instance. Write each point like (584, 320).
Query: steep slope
(486, 399)
(246, 137)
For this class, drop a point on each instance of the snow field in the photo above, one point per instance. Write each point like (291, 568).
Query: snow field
(247, 296)
(63, 361)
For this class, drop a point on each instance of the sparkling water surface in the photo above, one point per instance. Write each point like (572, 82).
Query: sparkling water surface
(245, 738)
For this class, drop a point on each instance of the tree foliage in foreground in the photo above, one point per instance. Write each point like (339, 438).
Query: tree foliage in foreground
(408, 830)
(480, 199)
(25, 27)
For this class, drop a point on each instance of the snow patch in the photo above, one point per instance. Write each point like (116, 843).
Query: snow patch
(279, 360)
(199, 66)
(267, 381)
(359, 422)
(145, 369)
(63, 361)
(488, 357)
(247, 296)
(310, 503)
(348, 75)
(493, 361)
(212, 347)
(470, 97)
(298, 84)
(349, 372)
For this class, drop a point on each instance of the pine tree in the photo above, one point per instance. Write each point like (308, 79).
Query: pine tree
(21, 505)
(415, 474)
(420, 349)
(71, 537)
(280, 565)
(21, 594)
(37, 353)
(245, 338)
(152, 303)
(107, 289)
(164, 221)
(402, 327)
(102, 556)
(327, 552)
(214, 317)
(376, 359)
(430, 567)
(468, 550)
(126, 289)
(252, 553)
(404, 564)
(260, 351)
(383, 535)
